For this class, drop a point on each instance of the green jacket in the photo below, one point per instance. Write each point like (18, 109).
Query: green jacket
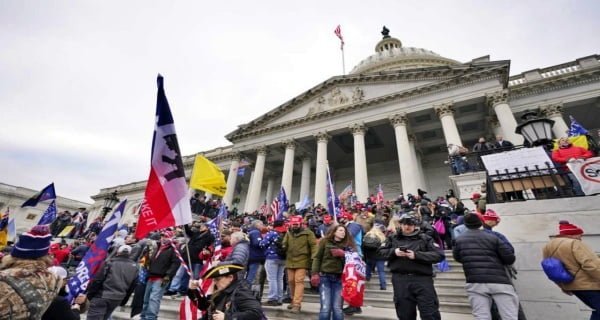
(324, 261)
(300, 249)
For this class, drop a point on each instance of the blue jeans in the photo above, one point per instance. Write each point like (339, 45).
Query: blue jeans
(154, 293)
(181, 279)
(330, 291)
(252, 270)
(380, 265)
(274, 269)
(591, 298)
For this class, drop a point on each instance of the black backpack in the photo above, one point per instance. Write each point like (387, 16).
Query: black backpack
(371, 242)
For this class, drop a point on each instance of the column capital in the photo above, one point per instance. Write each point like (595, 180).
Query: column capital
(290, 144)
(322, 136)
(497, 97)
(235, 155)
(444, 109)
(358, 128)
(399, 119)
(261, 150)
(493, 121)
(552, 110)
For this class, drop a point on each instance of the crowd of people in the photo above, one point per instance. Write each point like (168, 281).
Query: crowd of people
(408, 235)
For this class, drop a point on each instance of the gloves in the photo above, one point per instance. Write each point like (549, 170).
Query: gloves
(337, 252)
(315, 280)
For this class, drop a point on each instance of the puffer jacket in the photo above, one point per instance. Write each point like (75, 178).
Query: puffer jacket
(115, 279)
(240, 253)
(426, 254)
(300, 247)
(484, 257)
(580, 261)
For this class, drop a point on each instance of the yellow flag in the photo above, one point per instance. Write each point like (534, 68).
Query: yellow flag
(66, 231)
(578, 141)
(208, 177)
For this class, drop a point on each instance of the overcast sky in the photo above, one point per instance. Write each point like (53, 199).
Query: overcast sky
(78, 78)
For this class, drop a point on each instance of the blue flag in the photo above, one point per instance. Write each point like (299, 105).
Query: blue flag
(49, 215)
(241, 171)
(283, 204)
(95, 256)
(576, 128)
(333, 202)
(303, 204)
(46, 194)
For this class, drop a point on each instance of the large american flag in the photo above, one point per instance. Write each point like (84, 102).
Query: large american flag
(338, 33)
(274, 210)
(214, 226)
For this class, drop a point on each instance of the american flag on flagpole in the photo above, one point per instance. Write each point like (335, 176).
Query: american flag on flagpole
(214, 226)
(338, 33)
(274, 210)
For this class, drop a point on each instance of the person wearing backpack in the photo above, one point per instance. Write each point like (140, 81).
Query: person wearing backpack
(371, 242)
(580, 261)
(275, 262)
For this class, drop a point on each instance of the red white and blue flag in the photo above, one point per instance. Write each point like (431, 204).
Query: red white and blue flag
(95, 256)
(338, 33)
(214, 226)
(49, 215)
(379, 198)
(167, 201)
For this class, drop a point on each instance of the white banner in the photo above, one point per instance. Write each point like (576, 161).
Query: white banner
(524, 159)
(587, 173)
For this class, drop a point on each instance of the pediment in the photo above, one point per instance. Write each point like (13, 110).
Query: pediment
(339, 93)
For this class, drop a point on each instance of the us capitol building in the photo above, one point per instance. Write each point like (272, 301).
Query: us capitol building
(389, 122)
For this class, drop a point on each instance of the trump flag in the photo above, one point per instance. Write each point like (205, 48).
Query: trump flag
(167, 202)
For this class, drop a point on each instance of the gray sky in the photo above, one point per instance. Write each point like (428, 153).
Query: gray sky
(78, 78)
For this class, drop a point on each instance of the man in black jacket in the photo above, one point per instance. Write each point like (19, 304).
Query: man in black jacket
(114, 280)
(162, 267)
(410, 255)
(485, 257)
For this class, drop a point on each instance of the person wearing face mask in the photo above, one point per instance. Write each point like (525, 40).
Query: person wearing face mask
(162, 267)
(300, 246)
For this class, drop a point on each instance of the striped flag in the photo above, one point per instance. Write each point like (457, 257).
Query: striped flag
(214, 226)
(274, 210)
(167, 201)
(188, 310)
(347, 192)
(379, 194)
(338, 33)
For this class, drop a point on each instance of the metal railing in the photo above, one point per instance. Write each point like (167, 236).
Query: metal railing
(471, 161)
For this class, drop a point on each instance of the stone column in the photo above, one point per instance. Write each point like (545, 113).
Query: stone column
(446, 113)
(249, 193)
(321, 169)
(407, 167)
(417, 170)
(259, 169)
(305, 180)
(499, 102)
(495, 125)
(232, 179)
(361, 180)
(288, 167)
(554, 112)
(269, 195)
(424, 184)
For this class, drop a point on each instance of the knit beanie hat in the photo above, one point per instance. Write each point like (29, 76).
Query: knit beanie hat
(567, 229)
(33, 244)
(472, 221)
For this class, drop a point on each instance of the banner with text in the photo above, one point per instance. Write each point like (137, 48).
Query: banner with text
(587, 173)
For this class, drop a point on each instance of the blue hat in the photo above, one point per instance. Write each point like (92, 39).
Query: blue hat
(33, 244)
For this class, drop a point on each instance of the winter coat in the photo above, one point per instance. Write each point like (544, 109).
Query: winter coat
(426, 254)
(324, 261)
(239, 254)
(269, 246)
(198, 242)
(579, 259)
(165, 264)
(26, 289)
(60, 309)
(256, 252)
(114, 279)
(236, 301)
(484, 257)
(562, 155)
(300, 247)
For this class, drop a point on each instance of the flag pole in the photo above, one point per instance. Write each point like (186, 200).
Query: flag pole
(332, 194)
(343, 61)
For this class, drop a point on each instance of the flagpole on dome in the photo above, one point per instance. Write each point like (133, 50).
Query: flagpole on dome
(338, 33)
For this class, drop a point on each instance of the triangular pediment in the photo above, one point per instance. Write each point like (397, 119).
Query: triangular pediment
(344, 92)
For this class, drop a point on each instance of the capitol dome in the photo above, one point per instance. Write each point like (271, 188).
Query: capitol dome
(390, 55)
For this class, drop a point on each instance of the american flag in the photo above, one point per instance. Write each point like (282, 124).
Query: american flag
(274, 210)
(338, 33)
(214, 226)
(379, 194)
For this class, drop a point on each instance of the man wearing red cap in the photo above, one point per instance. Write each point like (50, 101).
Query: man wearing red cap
(490, 220)
(580, 261)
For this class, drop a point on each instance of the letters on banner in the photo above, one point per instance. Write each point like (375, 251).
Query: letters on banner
(587, 173)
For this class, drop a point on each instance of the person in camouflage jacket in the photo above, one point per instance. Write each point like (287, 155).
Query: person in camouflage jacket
(27, 287)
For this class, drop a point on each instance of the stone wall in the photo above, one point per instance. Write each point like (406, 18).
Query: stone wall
(529, 225)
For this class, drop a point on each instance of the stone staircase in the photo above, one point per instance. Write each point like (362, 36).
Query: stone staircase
(378, 304)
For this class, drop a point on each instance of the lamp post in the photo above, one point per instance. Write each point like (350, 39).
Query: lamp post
(536, 131)
(109, 202)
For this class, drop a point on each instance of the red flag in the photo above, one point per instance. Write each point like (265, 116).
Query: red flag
(188, 310)
(338, 33)
(166, 202)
